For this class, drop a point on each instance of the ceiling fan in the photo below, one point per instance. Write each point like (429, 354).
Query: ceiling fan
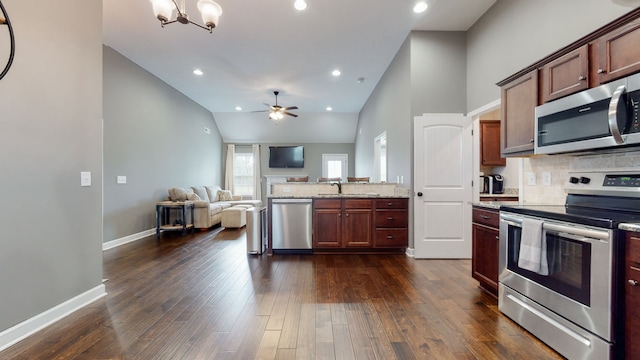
(277, 112)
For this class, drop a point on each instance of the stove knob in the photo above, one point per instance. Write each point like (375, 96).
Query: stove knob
(584, 180)
(574, 180)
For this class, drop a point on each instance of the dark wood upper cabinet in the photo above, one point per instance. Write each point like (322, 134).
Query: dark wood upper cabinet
(490, 144)
(519, 99)
(565, 75)
(619, 53)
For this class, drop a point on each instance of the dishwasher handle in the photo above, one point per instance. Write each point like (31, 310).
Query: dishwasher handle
(291, 201)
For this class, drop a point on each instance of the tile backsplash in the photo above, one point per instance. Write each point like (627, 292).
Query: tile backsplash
(559, 167)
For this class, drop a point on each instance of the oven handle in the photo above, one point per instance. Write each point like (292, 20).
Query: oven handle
(569, 230)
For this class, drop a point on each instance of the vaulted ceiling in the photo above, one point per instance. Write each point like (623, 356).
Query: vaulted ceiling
(264, 45)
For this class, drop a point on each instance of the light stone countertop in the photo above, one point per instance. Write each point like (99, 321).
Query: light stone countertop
(493, 204)
(635, 227)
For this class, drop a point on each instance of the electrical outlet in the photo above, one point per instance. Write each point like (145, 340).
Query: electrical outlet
(531, 178)
(121, 179)
(546, 178)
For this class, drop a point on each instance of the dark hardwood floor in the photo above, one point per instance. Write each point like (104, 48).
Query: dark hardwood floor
(202, 297)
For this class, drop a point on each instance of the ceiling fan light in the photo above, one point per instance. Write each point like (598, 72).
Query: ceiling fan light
(163, 9)
(210, 11)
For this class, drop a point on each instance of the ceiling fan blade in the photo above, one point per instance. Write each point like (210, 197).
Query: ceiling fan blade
(290, 114)
(257, 111)
(291, 108)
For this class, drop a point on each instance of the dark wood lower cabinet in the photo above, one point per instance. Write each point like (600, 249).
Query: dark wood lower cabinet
(632, 296)
(484, 258)
(360, 224)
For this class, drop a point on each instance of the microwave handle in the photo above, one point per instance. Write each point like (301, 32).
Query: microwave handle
(613, 114)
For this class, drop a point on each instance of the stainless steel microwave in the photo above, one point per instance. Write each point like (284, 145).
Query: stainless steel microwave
(605, 117)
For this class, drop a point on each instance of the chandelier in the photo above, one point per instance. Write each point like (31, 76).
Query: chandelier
(4, 21)
(209, 9)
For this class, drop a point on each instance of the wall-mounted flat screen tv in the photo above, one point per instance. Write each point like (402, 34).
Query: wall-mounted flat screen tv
(286, 156)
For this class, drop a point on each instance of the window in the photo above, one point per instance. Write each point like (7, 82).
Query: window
(380, 154)
(335, 165)
(243, 172)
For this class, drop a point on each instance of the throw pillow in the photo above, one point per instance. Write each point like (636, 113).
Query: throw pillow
(193, 197)
(224, 195)
(201, 192)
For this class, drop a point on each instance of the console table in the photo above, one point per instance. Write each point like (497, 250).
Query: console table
(181, 210)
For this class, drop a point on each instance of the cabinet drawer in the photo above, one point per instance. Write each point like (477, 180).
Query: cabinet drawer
(357, 204)
(633, 249)
(392, 203)
(327, 204)
(486, 217)
(391, 238)
(391, 219)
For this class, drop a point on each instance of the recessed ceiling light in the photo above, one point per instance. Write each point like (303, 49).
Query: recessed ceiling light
(420, 7)
(238, 108)
(336, 72)
(198, 72)
(300, 5)
(329, 108)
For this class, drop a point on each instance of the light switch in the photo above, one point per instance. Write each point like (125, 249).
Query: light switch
(546, 178)
(121, 179)
(85, 178)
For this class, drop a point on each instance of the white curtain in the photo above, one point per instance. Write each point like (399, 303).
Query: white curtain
(257, 177)
(228, 174)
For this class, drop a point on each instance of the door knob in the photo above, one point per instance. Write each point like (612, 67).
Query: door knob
(632, 282)
(419, 194)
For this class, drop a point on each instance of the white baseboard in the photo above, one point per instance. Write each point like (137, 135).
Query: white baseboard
(127, 239)
(409, 252)
(30, 326)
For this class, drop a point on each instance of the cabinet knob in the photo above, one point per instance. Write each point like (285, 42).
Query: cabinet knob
(389, 218)
(632, 282)
(531, 140)
(347, 215)
(600, 71)
(582, 77)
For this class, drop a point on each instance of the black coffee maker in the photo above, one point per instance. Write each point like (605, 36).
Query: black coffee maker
(496, 184)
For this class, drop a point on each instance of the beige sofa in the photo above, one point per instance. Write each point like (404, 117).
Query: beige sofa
(207, 204)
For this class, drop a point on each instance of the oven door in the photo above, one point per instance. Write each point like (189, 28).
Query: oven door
(578, 285)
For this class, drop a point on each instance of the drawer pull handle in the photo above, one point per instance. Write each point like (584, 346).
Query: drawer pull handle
(391, 237)
(485, 217)
(389, 218)
(634, 268)
(390, 204)
(582, 77)
(632, 282)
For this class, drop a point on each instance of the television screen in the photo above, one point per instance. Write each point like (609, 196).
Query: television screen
(286, 156)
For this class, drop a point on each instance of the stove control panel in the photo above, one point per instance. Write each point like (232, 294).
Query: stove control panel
(609, 183)
(622, 180)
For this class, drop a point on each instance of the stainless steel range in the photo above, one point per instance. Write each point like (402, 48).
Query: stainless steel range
(560, 266)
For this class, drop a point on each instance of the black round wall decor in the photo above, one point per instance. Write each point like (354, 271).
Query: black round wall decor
(12, 43)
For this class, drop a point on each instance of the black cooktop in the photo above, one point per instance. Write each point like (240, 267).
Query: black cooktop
(597, 211)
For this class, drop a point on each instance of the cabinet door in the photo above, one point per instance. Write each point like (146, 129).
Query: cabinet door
(632, 297)
(619, 53)
(490, 144)
(519, 99)
(357, 227)
(327, 228)
(566, 75)
(484, 261)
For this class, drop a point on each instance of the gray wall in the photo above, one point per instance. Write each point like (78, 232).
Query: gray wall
(51, 117)
(153, 135)
(427, 76)
(514, 34)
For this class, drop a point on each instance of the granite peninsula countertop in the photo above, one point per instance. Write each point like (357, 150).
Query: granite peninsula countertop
(493, 204)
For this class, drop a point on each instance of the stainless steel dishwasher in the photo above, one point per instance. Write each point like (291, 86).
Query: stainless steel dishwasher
(291, 225)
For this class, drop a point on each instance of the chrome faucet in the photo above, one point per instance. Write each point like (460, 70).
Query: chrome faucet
(339, 186)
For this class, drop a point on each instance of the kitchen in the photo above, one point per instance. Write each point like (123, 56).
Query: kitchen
(563, 262)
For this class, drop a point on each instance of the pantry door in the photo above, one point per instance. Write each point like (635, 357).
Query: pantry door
(442, 186)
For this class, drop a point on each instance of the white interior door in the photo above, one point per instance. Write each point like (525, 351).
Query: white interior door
(442, 186)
